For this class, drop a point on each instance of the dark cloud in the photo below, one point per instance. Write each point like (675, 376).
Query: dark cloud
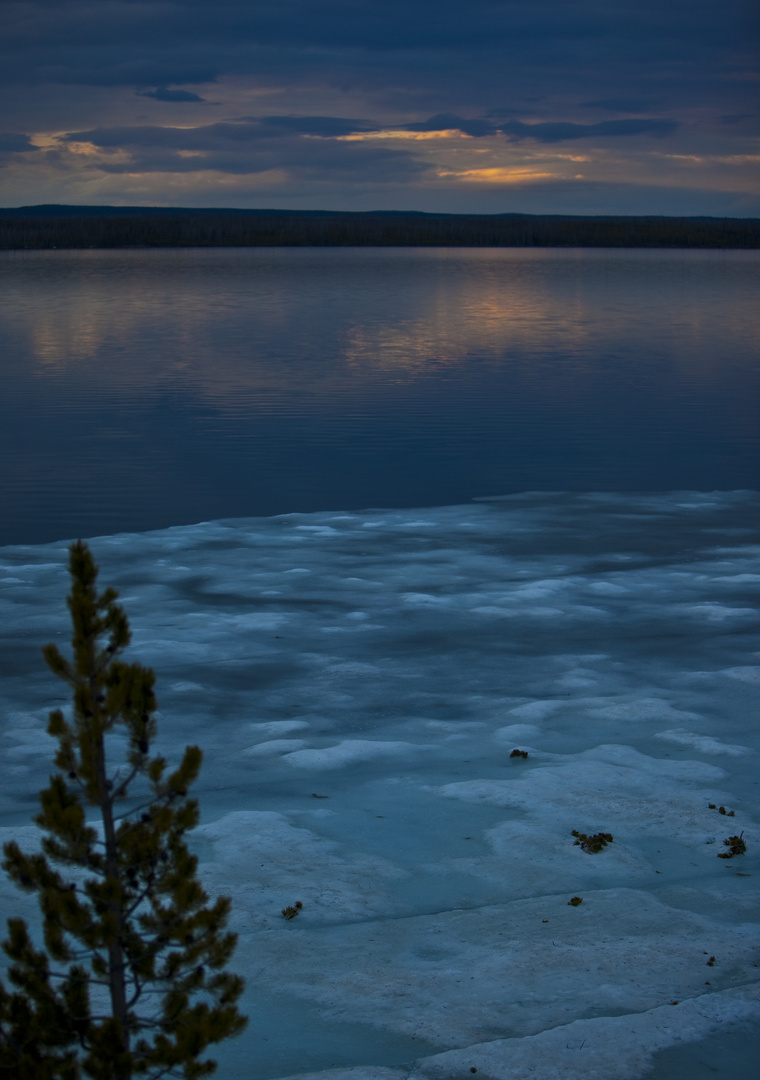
(449, 121)
(181, 42)
(325, 126)
(288, 143)
(209, 136)
(621, 104)
(163, 93)
(247, 149)
(501, 114)
(359, 165)
(14, 143)
(408, 25)
(559, 132)
(550, 132)
(99, 69)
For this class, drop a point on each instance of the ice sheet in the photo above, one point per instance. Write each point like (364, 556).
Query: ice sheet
(358, 683)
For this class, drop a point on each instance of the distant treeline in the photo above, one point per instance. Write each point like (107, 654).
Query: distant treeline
(39, 227)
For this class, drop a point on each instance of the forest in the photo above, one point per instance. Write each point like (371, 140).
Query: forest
(61, 226)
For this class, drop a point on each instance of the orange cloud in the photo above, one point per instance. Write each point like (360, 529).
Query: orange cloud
(501, 175)
(86, 148)
(393, 133)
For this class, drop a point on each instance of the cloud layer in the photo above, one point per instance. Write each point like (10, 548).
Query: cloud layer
(351, 104)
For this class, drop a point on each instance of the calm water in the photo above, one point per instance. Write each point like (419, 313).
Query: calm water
(143, 389)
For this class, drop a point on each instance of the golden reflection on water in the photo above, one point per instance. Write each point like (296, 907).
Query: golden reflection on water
(58, 344)
(68, 336)
(121, 336)
(493, 323)
(241, 342)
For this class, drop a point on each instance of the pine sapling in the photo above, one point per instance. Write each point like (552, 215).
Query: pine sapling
(130, 981)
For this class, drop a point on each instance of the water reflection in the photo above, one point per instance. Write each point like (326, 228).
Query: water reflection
(491, 320)
(57, 347)
(239, 381)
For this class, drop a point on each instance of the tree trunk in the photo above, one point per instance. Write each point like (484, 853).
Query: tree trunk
(116, 972)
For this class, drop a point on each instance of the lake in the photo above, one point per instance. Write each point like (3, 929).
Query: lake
(141, 389)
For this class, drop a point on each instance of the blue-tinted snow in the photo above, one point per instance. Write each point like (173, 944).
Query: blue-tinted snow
(388, 662)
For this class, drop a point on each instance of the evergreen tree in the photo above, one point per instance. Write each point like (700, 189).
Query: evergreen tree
(130, 982)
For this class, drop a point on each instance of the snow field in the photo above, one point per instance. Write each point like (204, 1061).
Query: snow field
(357, 683)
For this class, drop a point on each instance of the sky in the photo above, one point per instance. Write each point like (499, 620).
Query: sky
(456, 106)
